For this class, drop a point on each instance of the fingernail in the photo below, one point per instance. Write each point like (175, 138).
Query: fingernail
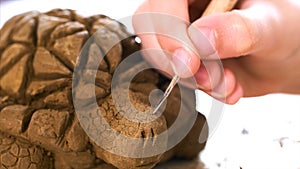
(204, 39)
(181, 60)
(203, 81)
(236, 95)
(220, 91)
(218, 95)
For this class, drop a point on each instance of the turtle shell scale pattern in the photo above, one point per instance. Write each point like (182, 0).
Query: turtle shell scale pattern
(39, 128)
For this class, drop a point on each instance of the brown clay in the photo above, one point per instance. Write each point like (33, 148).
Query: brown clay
(38, 124)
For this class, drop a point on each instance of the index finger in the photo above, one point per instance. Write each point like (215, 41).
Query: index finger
(164, 26)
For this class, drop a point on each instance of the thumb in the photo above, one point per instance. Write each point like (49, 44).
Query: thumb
(235, 33)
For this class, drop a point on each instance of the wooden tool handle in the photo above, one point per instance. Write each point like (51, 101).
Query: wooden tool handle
(216, 6)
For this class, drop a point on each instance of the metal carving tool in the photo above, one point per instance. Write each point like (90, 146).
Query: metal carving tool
(215, 6)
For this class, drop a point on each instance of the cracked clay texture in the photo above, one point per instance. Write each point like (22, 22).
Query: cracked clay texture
(39, 128)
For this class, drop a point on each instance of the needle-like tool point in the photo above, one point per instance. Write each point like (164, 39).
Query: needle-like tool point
(174, 81)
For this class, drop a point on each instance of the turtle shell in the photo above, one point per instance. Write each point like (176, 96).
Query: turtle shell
(38, 124)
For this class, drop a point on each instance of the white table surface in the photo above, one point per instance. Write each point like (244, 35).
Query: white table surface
(265, 121)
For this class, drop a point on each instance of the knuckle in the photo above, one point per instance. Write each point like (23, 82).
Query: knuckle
(244, 32)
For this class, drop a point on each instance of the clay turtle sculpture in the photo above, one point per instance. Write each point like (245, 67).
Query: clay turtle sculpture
(38, 124)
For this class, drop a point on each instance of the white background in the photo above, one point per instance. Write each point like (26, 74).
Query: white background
(267, 120)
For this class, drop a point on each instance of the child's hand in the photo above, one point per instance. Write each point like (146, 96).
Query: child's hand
(259, 44)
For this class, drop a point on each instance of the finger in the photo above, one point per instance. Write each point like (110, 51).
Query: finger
(235, 33)
(172, 35)
(210, 75)
(143, 26)
(236, 94)
(168, 24)
(226, 89)
(229, 91)
(158, 58)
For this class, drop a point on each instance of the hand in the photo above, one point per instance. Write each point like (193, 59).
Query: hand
(258, 44)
